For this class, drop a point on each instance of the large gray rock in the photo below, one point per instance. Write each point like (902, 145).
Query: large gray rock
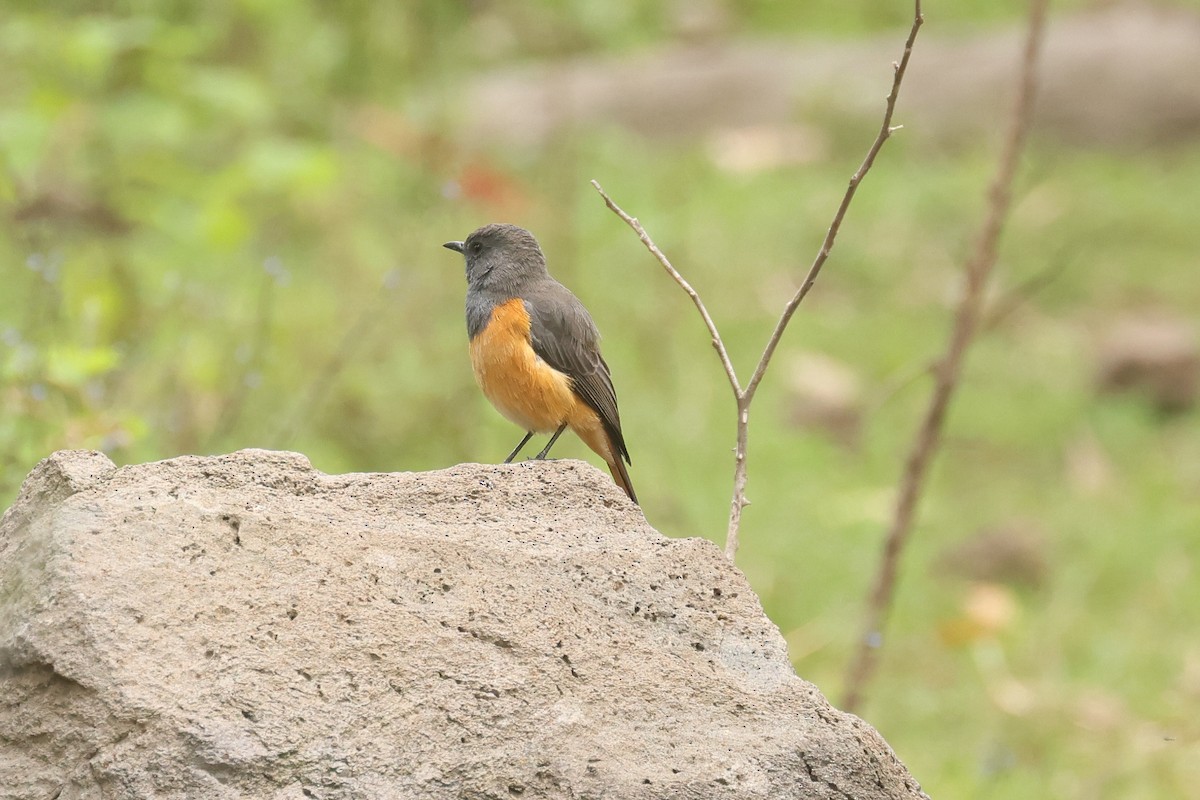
(245, 626)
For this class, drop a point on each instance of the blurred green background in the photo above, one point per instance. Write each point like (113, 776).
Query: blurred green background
(223, 226)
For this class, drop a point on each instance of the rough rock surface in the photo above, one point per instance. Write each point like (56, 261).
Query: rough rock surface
(245, 626)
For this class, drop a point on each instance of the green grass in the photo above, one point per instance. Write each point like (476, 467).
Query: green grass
(222, 232)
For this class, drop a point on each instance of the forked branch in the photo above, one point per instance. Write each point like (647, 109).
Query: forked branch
(717, 343)
(885, 132)
(744, 395)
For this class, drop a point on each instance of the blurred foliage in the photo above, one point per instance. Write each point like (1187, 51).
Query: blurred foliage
(222, 230)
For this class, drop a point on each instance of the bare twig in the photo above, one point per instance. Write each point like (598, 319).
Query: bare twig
(899, 382)
(1020, 294)
(966, 323)
(885, 132)
(717, 344)
(993, 317)
(745, 395)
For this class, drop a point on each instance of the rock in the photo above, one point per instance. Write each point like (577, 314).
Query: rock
(243, 626)
(1012, 552)
(1087, 465)
(1157, 355)
(826, 394)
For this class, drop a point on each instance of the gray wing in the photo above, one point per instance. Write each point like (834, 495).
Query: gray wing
(565, 337)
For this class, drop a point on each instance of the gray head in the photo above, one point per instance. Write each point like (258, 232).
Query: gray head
(501, 258)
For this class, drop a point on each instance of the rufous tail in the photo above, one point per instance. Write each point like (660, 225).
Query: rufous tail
(621, 477)
(590, 429)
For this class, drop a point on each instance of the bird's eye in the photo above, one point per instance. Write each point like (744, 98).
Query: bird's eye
(476, 247)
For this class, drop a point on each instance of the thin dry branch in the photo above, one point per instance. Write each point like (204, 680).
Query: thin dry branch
(745, 396)
(966, 323)
(885, 132)
(738, 501)
(717, 343)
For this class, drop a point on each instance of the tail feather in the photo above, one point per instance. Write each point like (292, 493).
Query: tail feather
(589, 427)
(621, 477)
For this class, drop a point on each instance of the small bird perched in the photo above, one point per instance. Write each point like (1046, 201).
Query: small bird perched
(535, 350)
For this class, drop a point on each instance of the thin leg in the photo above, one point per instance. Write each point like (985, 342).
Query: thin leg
(517, 449)
(550, 443)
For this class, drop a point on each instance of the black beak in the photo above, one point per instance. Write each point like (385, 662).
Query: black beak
(455, 246)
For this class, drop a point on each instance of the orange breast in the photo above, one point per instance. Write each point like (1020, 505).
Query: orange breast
(524, 388)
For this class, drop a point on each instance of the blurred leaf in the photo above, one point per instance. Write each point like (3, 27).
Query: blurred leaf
(224, 222)
(235, 97)
(70, 366)
(138, 120)
(284, 165)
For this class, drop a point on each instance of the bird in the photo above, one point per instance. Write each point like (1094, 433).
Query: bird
(535, 350)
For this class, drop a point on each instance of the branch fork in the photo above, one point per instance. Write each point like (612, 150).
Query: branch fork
(744, 395)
